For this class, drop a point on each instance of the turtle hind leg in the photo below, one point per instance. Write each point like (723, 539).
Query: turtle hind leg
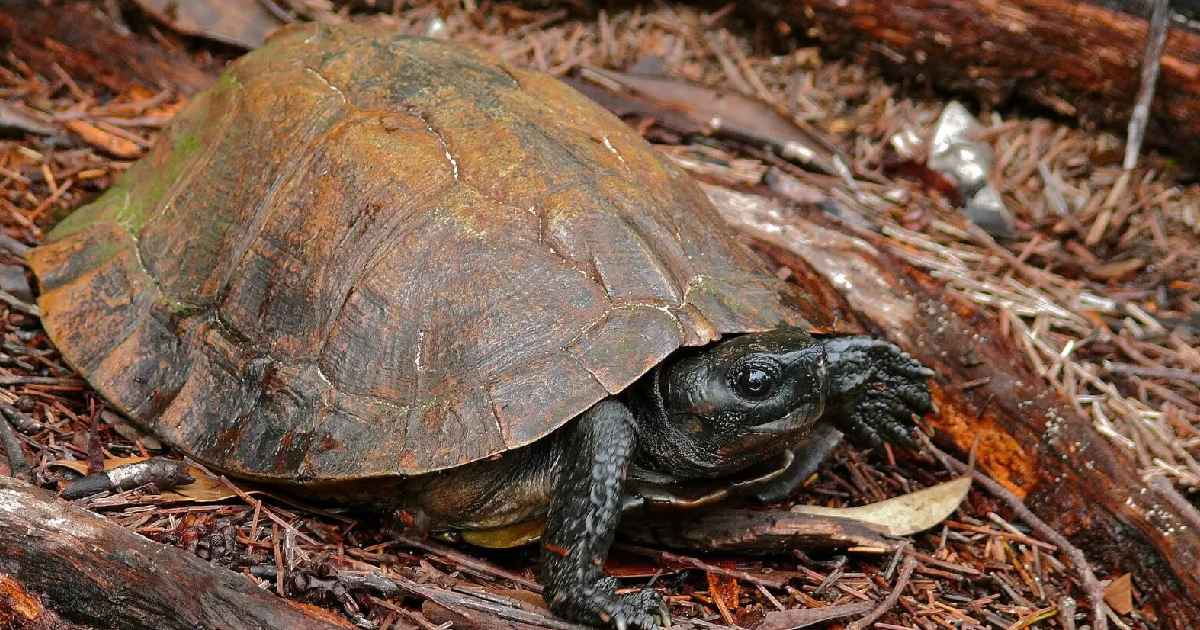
(808, 457)
(584, 512)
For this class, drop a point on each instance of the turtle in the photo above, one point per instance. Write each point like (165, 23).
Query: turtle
(399, 273)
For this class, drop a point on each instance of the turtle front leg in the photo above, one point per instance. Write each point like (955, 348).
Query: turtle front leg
(584, 512)
(809, 455)
(875, 389)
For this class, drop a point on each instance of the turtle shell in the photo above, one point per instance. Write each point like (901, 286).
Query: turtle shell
(366, 255)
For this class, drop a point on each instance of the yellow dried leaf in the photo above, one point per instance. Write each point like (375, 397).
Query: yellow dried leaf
(903, 515)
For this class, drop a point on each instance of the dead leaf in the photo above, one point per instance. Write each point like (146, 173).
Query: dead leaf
(1119, 594)
(204, 489)
(903, 515)
(692, 108)
(244, 23)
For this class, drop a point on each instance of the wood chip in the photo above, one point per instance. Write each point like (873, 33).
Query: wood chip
(107, 142)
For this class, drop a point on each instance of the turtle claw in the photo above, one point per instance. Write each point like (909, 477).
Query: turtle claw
(859, 431)
(600, 606)
(643, 610)
(880, 417)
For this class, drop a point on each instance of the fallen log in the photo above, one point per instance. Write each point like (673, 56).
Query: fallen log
(1074, 57)
(63, 565)
(1023, 433)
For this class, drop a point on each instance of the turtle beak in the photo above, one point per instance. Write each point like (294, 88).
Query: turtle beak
(800, 419)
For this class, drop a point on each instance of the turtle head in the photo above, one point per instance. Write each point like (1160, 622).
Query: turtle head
(727, 406)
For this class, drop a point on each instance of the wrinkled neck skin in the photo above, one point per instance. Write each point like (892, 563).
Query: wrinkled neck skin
(677, 448)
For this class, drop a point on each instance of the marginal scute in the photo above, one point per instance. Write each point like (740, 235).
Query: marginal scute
(140, 381)
(363, 255)
(94, 293)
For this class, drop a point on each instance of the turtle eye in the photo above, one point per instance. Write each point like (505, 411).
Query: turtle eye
(755, 381)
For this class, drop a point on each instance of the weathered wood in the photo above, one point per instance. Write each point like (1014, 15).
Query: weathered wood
(23, 611)
(84, 45)
(1072, 56)
(1029, 438)
(59, 563)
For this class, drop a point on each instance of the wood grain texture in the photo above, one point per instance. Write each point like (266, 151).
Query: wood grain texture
(90, 572)
(1071, 56)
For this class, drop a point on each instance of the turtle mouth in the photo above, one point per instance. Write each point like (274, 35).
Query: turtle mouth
(800, 418)
(646, 489)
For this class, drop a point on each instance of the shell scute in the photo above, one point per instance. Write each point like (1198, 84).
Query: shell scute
(363, 255)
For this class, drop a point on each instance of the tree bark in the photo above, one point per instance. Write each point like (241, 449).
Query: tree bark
(1072, 56)
(1029, 438)
(63, 565)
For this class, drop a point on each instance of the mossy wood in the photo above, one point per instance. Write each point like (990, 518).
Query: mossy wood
(364, 255)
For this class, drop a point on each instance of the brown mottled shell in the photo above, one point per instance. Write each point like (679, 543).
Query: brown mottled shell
(366, 255)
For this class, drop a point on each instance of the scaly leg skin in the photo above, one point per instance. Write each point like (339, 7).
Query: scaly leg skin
(874, 390)
(808, 457)
(584, 512)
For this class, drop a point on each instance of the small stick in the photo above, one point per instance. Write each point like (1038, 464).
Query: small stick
(1167, 491)
(17, 304)
(805, 617)
(279, 573)
(1087, 577)
(164, 473)
(666, 556)
(719, 602)
(12, 449)
(413, 616)
(958, 568)
(20, 420)
(906, 571)
(1066, 612)
(1156, 39)
(1175, 374)
(466, 601)
(467, 561)
(39, 380)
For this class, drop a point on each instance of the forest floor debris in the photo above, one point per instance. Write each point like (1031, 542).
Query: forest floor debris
(1099, 286)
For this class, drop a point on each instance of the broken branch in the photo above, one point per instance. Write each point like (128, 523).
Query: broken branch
(49, 548)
